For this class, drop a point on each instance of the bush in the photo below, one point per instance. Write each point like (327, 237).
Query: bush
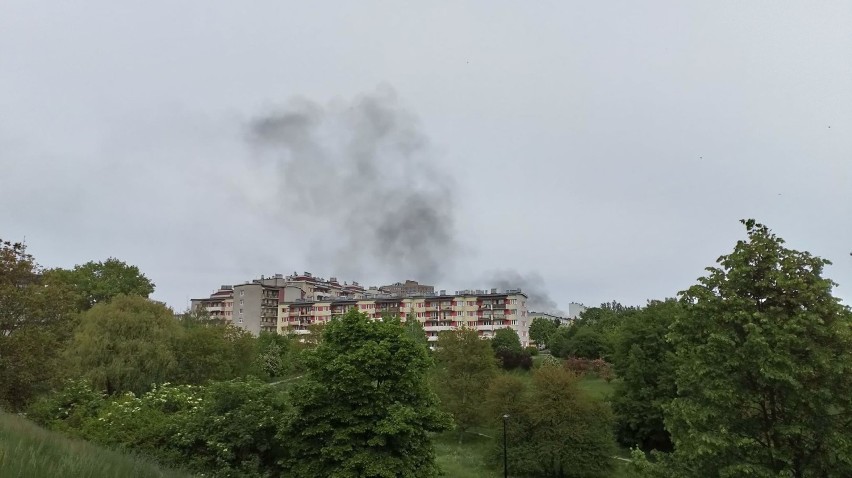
(221, 429)
(583, 366)
(68, 408)
(532, 350)
(512, 359)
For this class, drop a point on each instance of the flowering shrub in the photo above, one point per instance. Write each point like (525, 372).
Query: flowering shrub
(68, 408)
(220, 429)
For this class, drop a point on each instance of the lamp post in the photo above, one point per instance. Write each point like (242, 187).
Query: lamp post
(505, 460)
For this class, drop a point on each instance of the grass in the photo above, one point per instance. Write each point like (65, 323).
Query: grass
(29, 451)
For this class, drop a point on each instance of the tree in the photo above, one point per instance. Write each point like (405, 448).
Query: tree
(588, 343)
(558, 344)
(541, 329)
(205, 352)
(764, 367)
(506, 338)
(35, 320)
(99, 282)
(125, 345)
(415, 330)
(465, 366)
(557, 431)
(644, 360)
(363, 407)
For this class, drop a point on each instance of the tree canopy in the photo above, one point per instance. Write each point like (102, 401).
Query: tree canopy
(125, 345)
(35, 322)
(541, 329)
(764, 367)
(465, 366)
(363, 408)
(99, 282)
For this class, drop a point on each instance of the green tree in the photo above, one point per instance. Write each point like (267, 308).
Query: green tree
(764, 368)
(205, 351)
(644, 360)
(99, 282)
(35, 320)
(125, 345)
(541, 329)
(588, 343)
(558, 431)
(560, 341)
(506, 338)
(415, 330)
(363, 408)
(465, 366)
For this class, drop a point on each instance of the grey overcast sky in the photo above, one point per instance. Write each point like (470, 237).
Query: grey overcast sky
(607, 147)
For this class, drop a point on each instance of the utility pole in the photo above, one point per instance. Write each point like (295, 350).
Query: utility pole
(505, 459)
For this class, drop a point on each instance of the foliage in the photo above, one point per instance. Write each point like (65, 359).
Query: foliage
(598, 368)
(541, 329)
(511, 359)
(588, 343)
(506, 338)
(205, 351)
(553, 429)
(29, 451)
(363, 408)
(227, 428)
(68, 408)
(764, 368)
(644, 360)
(415, 330)
(465, 366)
(100, 282)
(560, 341)
(125, 345)
(532, 350)
(35, 318)
(273, 354)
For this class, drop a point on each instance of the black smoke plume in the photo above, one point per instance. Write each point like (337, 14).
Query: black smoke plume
(356, 176)
(532, 285)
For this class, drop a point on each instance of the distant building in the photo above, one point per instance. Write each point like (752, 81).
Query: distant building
(253, 305)
(409, 287)
(220, 304)
(558, 319)
(575, 309)
(481, 310)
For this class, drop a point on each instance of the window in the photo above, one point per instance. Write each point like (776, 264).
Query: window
(241, 301)
(241, 311)
(242, 293)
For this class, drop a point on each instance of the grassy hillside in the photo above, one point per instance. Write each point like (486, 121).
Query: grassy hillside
(29, 451)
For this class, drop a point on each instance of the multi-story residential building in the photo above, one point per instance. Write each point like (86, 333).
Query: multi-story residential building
(253, 305)
(484, 311)
(575, 309)
(219, 305)
(409, 287)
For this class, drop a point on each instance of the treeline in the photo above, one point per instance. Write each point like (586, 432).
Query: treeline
(746, 373)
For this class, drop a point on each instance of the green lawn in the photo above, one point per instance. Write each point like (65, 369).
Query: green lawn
(29, 451)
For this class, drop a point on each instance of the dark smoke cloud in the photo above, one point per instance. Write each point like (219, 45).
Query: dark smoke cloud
(532, 285)
(357, 177)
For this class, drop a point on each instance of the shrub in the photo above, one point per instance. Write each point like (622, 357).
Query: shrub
(532, 350)
(512, 359)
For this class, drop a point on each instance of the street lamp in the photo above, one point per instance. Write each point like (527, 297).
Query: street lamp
(505, 461)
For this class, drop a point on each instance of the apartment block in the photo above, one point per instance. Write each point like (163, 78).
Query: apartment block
(484, 311)
(220, 304)
(407, 288)
(253, 305)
